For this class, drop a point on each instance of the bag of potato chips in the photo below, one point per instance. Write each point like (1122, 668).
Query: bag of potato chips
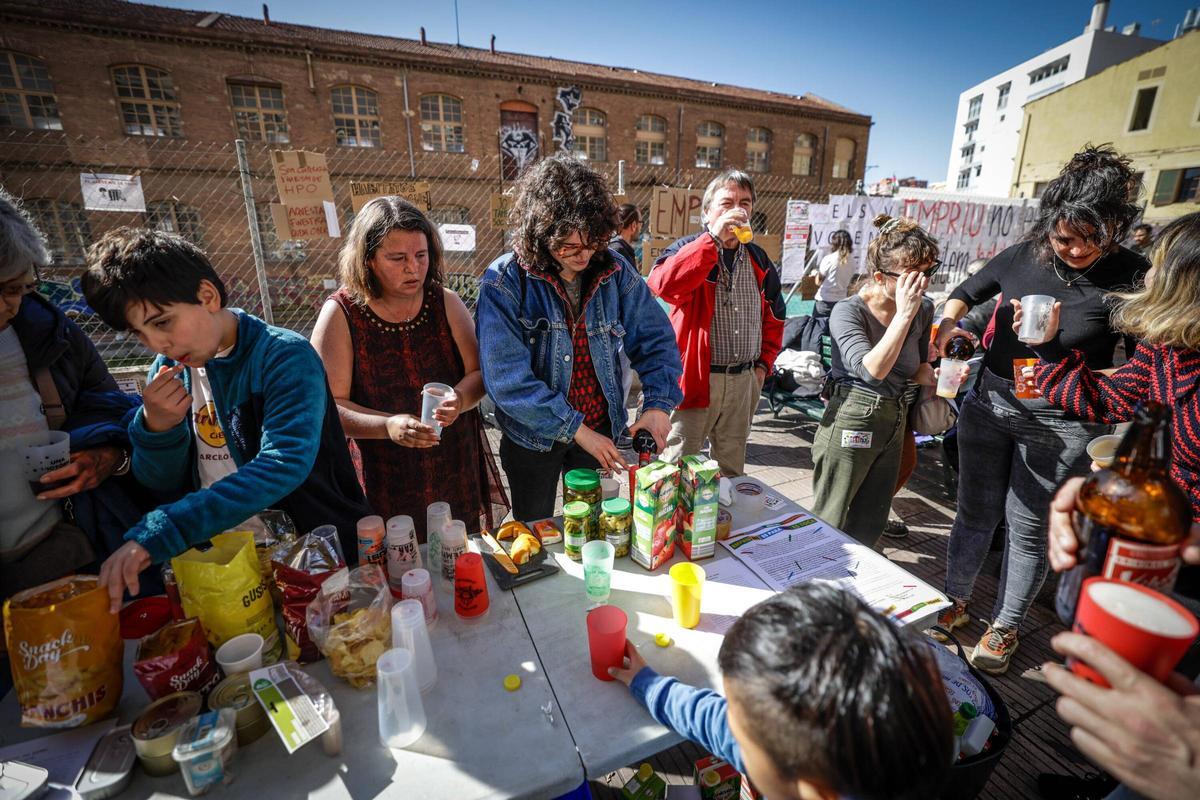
(351, 622)
(66, 652)
(224, 587)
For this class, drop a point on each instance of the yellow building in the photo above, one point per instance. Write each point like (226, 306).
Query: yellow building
(1148, 107)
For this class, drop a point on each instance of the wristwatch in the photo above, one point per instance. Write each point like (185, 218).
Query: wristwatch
(126, 463)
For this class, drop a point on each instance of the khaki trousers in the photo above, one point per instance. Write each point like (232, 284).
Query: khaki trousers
(732, 401)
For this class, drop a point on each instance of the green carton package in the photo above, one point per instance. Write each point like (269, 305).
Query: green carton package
(646, 784)
(699, 492)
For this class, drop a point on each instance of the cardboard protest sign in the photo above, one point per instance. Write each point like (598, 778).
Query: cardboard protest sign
(651, 250)
(772, 243)
(306, 220)
(415, 192)
(301, 177)
(675, 212)
(500, 206)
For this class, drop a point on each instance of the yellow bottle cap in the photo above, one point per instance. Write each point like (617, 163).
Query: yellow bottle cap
(644, 772)
(662, 639)
(512, 682)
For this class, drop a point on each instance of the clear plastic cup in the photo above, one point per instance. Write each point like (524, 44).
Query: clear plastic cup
(1035, 317)
(432, 396)
(401, 712)
(597, 570)
(409, 632)
(417, 584)
(242, 653)
(436, 517)
(402, 551)
(687, 582)
(950, 375)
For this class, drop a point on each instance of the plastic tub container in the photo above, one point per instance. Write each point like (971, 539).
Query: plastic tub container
(205, 750)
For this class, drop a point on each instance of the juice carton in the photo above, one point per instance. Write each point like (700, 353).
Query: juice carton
(654, 514)
(644, 785)
(699, 492)
(749, 792)
(717, 779)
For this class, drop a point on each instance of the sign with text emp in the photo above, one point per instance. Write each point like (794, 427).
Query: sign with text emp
(415, 192)
(112, 192)
(675, 213)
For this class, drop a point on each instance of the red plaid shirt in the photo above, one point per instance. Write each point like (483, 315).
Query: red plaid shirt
(584, 394)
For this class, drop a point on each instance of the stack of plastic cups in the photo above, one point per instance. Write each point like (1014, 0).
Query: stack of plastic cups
(409, 632)
(417, 585)
(454, 545)
(436, 517)
(401, 712)
(402, 551)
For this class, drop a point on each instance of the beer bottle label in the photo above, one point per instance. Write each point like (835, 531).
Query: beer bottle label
(1151, 565)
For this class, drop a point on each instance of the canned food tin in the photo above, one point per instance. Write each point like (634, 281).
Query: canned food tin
(234, 693)
(156, 730)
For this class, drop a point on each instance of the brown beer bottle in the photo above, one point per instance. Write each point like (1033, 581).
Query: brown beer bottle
(1131, 517)
(960, 348)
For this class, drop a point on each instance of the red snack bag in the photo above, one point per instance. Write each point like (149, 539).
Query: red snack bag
(176, 658)
(299, 573)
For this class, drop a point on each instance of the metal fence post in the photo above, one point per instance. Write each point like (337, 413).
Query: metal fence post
(260, 269)
(621, 177)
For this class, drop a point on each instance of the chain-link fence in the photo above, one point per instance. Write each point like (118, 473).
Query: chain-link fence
(195, 189)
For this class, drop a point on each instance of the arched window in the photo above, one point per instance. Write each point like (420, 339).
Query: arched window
(710, 139)
(175, 217)
(449, 215)
(843, 158)
(355, 116)
(66, 227)
(147, 100)
(758, 150)
(27, 94)
(442, 124)
(650, 140)
(804, 154)
(587, 128)
(259, 113)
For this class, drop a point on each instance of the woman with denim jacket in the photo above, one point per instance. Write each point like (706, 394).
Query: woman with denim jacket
(560, 321)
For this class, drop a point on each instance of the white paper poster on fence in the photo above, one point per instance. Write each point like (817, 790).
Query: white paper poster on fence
(102, 192)
(457, 238)
(795, 242)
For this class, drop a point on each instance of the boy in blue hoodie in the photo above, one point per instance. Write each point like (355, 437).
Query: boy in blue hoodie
(824, 699)
(237, 416)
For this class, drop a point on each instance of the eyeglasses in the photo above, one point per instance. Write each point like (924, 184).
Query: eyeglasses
(572, 250)
(934, 267)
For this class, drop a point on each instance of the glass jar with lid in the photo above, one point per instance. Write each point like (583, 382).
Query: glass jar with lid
(616, 524)
(576, 517)
(584, 485)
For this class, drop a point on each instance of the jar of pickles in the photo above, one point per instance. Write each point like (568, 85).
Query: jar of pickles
(616, 523)
(576, 517)
(584, 485)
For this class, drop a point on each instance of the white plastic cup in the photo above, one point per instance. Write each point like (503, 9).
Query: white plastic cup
(44, 452)
(417, 584)
(242, 653)
(409, 632)
(454, 544)
(432, 396)
(950, 375)
(436, 517)
(1035, 317)
(402, 551)
(1103, 450)
(610, 488)
(401, 712)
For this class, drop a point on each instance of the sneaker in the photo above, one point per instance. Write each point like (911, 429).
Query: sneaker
(895, 529)
(994, 650)
(955, 616)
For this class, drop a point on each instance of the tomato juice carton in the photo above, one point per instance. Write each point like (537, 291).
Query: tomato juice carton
(654, 508)
(717, 779)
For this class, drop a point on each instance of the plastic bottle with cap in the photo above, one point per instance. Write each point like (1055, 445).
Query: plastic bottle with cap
(963, 716)
(976, 736)
(454, 544)
(416, 584)
(402, 552)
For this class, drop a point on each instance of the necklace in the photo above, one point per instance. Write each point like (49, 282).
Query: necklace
(1071, 281)
(409, 323)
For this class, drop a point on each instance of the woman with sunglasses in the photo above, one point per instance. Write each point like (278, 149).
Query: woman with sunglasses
(560, 323)
(880, 354)
(1015, 448)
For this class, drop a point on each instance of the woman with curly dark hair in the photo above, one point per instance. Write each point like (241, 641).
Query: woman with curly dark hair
(560, 323)
(1015, 448)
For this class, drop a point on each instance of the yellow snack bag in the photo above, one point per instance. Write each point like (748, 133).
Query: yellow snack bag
(224, 587)
(66, 652)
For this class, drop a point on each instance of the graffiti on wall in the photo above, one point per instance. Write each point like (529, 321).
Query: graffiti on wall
(568, 98)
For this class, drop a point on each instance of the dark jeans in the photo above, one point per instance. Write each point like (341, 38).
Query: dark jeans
(533, 477)
(823, 308)
(1013, 455)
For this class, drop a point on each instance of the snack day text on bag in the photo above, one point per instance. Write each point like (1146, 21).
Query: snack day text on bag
(225, 588)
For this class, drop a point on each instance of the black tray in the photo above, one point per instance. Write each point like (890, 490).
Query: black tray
(539, 566)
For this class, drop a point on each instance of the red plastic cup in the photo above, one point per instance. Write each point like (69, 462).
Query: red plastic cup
(143, 617)
(1148, 629)
(470, 587)
(606, 639)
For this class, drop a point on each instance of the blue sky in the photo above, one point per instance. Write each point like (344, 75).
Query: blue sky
(904, 63)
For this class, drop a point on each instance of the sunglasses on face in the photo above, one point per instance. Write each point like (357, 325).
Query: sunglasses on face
(934, 267)
(572, 250)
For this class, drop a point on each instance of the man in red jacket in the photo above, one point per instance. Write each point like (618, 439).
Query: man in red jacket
(727, 312)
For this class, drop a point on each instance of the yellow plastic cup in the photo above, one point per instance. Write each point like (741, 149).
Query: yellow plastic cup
(744, 234)
(687, 579)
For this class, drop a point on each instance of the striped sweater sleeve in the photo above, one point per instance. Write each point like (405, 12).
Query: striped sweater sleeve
(1066, 381)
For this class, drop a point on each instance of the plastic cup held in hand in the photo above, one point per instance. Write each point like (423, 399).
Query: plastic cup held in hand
(432, 396)
(401, 712)
(1035, 317)
(1148, 629)
(44, 452)
(1103, 450)
(240, 654)
(950, 374)
(409, 632)
(606, 639)
(687, 581)
(597, 570)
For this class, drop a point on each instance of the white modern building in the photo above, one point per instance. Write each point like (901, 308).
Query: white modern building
(988, 123)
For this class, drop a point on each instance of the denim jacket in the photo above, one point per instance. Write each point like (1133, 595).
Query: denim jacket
(526, 351)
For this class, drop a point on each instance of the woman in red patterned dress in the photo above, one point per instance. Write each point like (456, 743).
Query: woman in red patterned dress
(390, 329)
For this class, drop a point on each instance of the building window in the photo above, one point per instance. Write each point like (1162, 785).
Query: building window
(442, 124)
(147, 99)
(1002, 100)
(1177, 186)
(1053, 68)
(65, 226)
(355, 116)
(1143, 108)
(587, 128)
(27, 94)
(843, 158)
(710, 139)
(650, 140)
(969, 130)
(259, 113)
(978, 169)
(968, 153)
(803, 154)
(175, 217)
(1039, 189)
(758, 150)
(974, 107)
(450, 215)
(964, 179)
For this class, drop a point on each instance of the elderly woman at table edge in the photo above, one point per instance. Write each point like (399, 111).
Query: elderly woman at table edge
(390, 329)
(824, 699)
(51, 377)
(561, 321)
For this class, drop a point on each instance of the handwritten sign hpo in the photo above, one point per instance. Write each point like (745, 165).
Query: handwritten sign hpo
(301, 177)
